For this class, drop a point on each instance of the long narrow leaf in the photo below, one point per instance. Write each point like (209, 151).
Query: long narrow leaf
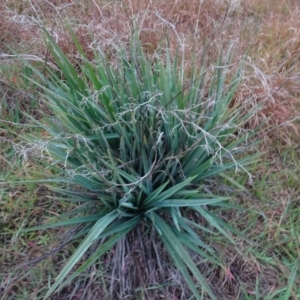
(181, 257)
(94, 233)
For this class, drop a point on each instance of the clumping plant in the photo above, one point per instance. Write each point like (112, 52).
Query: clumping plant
(139, 140)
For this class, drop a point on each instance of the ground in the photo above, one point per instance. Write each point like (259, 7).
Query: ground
(266, 34)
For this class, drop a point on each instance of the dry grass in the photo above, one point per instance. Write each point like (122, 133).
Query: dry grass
(269, 30)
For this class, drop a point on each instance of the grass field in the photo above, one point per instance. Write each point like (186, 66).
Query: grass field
(266, 35)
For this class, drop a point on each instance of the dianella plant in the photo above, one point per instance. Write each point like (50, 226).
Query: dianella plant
(140, 139)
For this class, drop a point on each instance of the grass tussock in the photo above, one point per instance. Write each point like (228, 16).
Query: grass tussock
(140, 139)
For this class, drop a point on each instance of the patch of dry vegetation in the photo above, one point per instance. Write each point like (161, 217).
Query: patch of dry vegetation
(267, 30)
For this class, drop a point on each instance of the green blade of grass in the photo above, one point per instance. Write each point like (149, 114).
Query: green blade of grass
(94, 233)
(181, 257)
(190, 202)
(116, 233)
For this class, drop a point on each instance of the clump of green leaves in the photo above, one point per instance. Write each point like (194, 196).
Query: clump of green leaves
(135, 141)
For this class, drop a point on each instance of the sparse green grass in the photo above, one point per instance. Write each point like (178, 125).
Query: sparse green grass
(24, 205)
(266, 269)
(275, 198)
